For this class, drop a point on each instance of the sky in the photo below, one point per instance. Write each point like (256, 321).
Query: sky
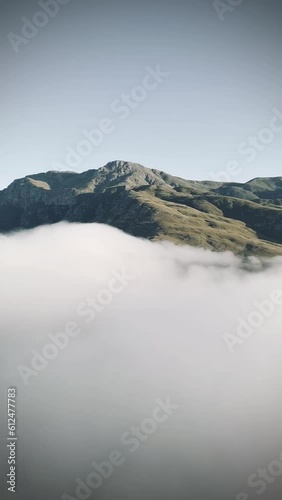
(219, 89)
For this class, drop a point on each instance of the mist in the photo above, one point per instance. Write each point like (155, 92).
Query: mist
(136, 326)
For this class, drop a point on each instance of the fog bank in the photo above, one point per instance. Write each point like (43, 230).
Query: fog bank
(99, 329)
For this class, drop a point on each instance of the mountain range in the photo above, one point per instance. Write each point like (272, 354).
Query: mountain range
(244, 218)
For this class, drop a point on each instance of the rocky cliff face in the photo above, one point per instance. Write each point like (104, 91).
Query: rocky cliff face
(244, 218)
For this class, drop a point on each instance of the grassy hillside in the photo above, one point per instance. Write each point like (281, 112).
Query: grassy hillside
(244, 218)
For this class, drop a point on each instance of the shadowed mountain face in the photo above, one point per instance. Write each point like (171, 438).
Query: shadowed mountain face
(244, 218)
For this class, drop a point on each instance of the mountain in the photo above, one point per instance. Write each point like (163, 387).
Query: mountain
(245, 218)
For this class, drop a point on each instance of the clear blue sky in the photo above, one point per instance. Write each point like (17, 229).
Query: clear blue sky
(224, 82)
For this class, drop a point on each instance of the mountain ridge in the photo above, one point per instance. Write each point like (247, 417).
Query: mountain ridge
(245, 218)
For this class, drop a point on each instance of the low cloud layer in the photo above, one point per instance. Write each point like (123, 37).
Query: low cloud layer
(101, 330)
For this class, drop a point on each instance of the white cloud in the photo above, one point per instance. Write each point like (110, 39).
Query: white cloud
(161, 336)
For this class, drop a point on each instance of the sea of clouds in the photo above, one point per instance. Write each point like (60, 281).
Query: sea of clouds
(165, 359)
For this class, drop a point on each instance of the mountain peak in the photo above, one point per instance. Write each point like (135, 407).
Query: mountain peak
(121, 165)
(244, 218)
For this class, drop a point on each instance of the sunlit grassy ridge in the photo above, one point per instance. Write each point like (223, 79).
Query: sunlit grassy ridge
(244, 218)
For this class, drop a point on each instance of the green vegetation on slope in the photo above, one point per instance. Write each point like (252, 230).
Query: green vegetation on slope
(244, 218)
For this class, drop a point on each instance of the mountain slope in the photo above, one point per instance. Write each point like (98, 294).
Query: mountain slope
(245, 218)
